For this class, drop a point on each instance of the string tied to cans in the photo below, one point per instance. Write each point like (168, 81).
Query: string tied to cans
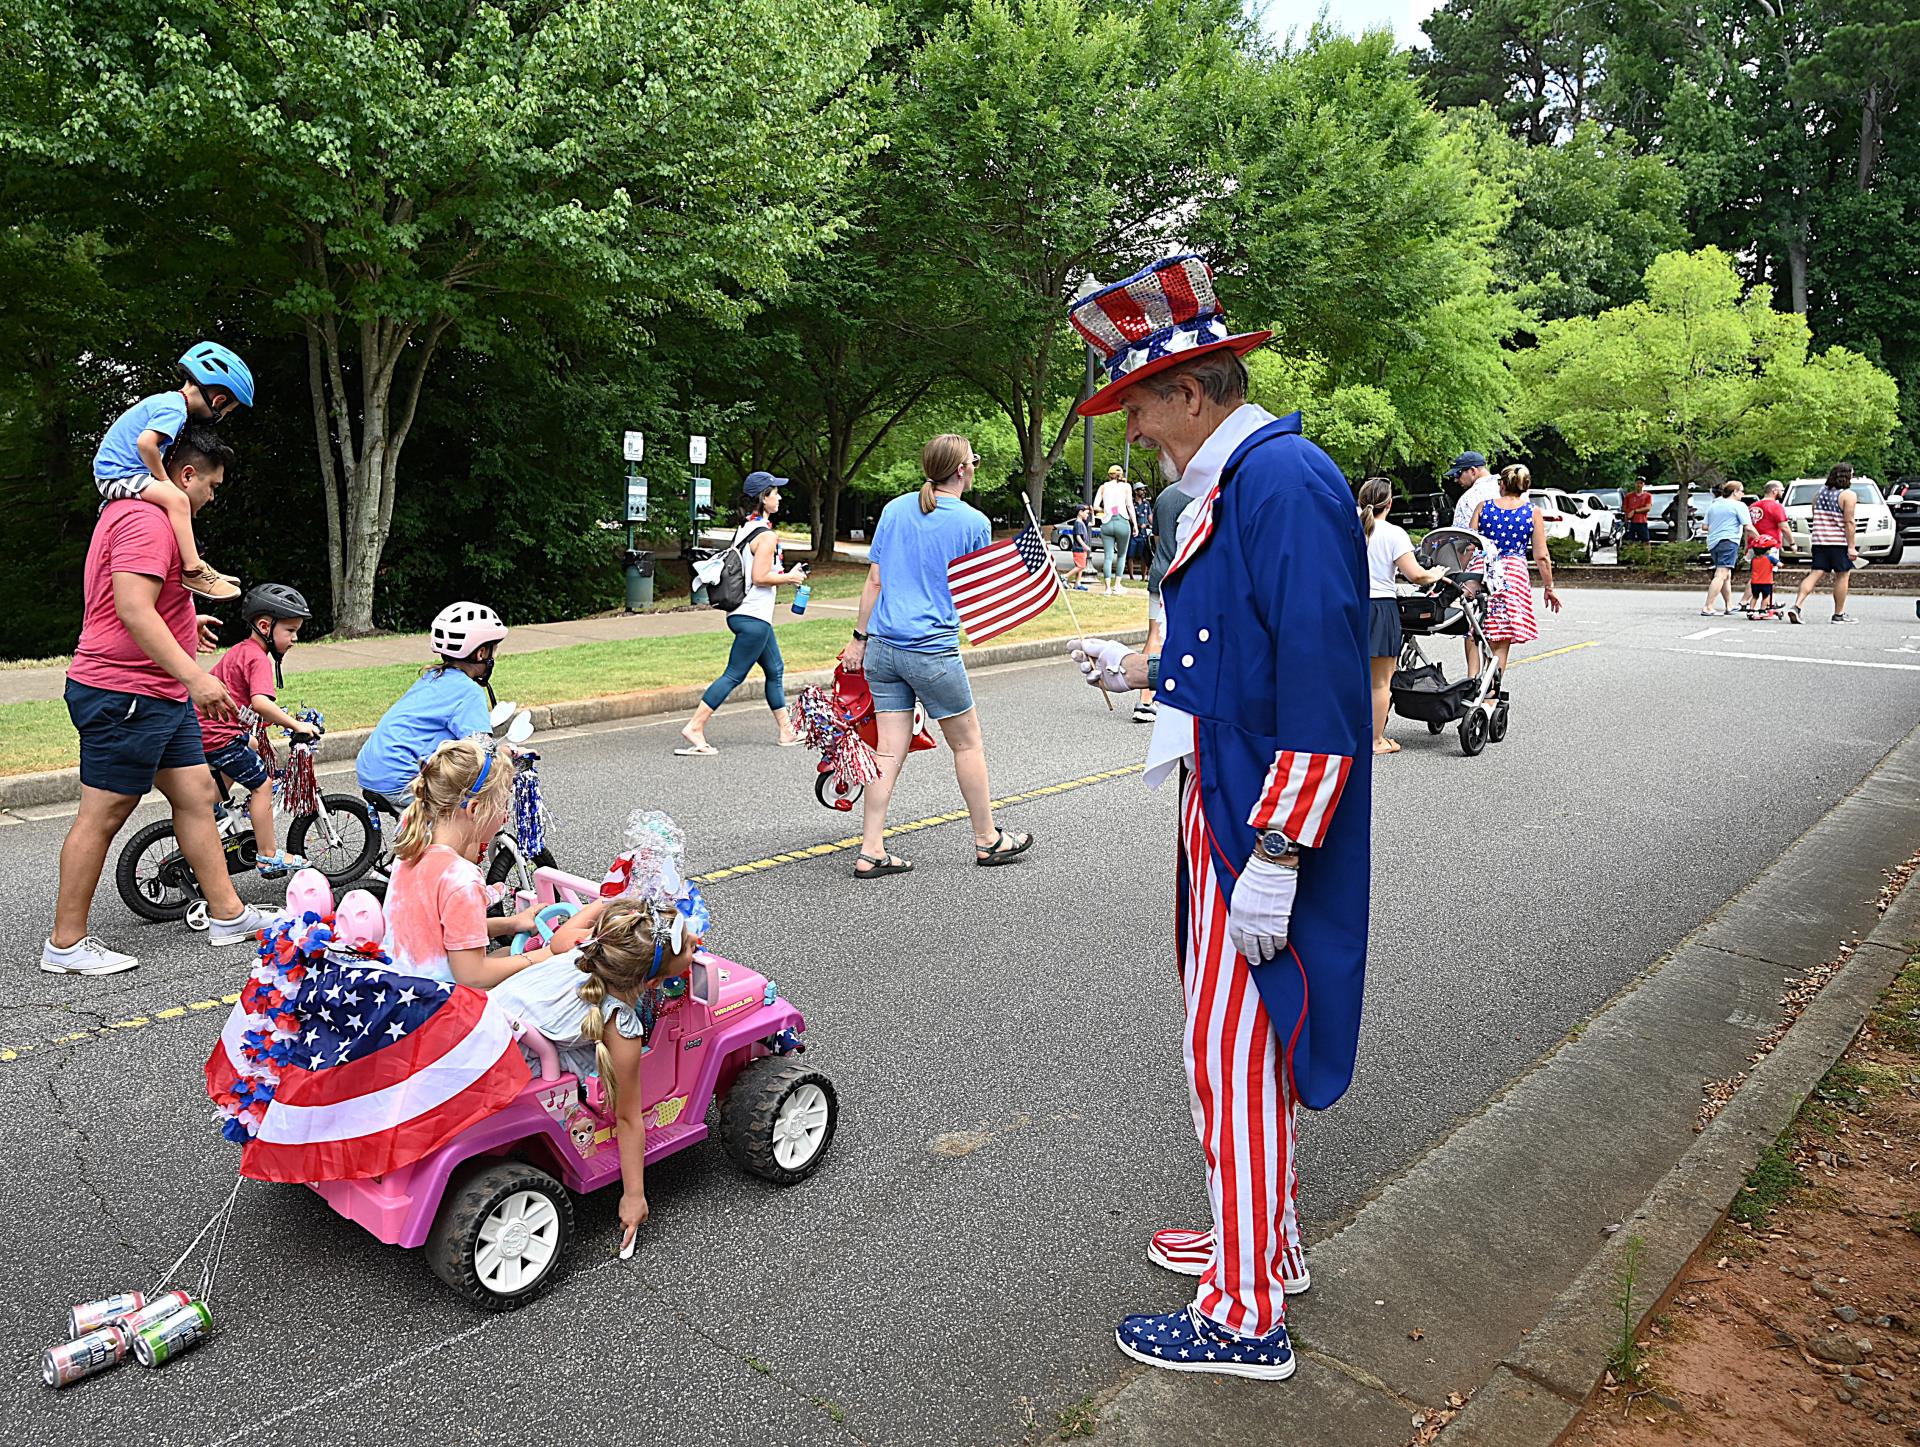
(155, 1327)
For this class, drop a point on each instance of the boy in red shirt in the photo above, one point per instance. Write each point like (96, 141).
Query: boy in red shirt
(1770, 522)
(250, 669)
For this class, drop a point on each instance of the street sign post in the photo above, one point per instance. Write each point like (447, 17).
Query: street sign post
(633, 447)
(697, 451)
(636, 501)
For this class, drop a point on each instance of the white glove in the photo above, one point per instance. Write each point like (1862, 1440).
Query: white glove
(1262, 909)
(1103, 664)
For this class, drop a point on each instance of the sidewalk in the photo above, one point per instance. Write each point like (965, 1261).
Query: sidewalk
(18, 685)
(1485, 1277)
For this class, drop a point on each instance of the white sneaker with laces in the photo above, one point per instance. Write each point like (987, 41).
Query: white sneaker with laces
(88, 957)
(237, 931)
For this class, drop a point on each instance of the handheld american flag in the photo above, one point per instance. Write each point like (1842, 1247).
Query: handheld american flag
(1003, 584)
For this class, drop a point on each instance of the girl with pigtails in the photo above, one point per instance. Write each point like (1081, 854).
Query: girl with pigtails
(597, 1001)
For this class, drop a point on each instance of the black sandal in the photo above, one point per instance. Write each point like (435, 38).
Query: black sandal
(989, 856)
(885, 864)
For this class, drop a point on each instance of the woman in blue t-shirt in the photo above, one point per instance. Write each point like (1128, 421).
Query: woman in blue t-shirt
(907, 642)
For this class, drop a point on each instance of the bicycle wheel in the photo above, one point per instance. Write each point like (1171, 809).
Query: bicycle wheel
(153, 876)
(506, 865)
(340, 841)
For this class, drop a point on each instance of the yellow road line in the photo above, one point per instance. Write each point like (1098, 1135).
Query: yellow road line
(1555, 652)
(752, 866)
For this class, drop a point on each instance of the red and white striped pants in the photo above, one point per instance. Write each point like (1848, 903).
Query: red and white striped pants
(1243, 1109)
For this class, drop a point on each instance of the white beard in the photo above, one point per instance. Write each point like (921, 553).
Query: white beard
(1167, 469)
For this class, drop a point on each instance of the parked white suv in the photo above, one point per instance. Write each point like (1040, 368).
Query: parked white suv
(1566, 517)
(1874, 532)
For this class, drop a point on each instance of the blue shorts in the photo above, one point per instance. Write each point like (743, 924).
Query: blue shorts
(127, 738)
(897, 676)
(240, 762)
(1831, 558)
(1725, 553)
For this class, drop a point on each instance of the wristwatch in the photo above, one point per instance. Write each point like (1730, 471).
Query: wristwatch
(1277, 847)
(858, 636)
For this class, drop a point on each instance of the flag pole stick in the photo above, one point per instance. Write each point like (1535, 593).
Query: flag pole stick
(1042, 534)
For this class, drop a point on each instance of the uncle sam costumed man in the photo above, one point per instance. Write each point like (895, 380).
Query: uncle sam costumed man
(1264, 713)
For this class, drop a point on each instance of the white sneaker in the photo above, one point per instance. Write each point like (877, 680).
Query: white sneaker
(89, 957)
(239, 931)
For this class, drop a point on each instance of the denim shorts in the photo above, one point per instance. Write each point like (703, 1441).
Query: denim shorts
(897, 676)
(127, 738)
(1725, 553)
(240, 762)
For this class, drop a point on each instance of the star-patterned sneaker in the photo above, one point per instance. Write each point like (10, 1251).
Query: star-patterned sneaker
(1185, 1341)
(1189, 1252)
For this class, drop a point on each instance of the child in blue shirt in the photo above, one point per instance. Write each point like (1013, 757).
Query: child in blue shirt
(131, 460)
(449, 701)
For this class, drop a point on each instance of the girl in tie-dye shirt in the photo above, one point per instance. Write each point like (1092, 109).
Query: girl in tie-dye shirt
(437, 925)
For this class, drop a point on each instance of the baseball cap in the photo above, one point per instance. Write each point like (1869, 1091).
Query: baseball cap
(759, 484)
(1464, 461)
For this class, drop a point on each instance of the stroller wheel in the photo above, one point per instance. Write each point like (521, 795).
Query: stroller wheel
(1473, 731)
(1433, 727)
(1497, 725)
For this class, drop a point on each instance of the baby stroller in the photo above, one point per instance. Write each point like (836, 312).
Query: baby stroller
(1456, 606)
(839, 723)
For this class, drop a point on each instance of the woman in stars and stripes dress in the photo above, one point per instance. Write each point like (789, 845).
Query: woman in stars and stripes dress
(1512, 524)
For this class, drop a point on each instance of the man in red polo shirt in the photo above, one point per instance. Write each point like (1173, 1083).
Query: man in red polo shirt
(131, 692)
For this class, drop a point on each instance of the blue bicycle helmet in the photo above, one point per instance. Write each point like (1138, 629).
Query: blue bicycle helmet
(213, 365)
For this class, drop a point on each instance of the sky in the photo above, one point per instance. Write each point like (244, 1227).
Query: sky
(1353, 16)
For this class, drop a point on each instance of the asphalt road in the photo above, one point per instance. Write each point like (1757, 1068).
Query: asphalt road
(910, 1294)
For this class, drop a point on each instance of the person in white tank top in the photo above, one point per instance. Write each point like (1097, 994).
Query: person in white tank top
(751, 623)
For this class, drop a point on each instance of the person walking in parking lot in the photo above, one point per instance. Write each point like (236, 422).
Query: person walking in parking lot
(1728, 526)
(1836, 545)
(1635, 506)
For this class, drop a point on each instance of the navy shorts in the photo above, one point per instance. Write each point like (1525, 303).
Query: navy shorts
(1831, 558)
(127, 738)
(897, 676)
(1725, 553)
(240, 762)
(1384, 638)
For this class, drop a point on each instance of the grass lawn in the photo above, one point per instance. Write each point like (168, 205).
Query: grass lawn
(36, 735)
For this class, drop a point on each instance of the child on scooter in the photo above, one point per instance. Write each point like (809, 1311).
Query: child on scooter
(436, 910)
(616, 979)
(250, 669)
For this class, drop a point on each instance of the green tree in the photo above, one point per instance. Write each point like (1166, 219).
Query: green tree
(1535, 62)
(1361, 229)
(428, 174)
(1705, 378)
(1590, 212)
(1042, 142)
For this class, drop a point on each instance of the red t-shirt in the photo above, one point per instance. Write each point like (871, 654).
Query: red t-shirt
(1769, 520)
(131, 537)
(1637, 505)
(247, 671)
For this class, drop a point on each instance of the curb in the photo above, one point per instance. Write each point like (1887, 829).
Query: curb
(62, 786)
(1538, 1389)
(1875, 580)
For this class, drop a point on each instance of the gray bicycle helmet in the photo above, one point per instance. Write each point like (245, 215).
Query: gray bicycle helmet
(275, 601)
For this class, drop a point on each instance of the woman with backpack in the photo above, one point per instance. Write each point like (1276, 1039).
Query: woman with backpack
(750, 620)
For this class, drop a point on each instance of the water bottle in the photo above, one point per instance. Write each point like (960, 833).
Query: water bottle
(800, 596)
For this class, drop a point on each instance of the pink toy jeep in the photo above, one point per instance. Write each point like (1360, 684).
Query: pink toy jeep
(492, 1206)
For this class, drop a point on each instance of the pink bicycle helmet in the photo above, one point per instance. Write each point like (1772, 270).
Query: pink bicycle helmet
(459, 628)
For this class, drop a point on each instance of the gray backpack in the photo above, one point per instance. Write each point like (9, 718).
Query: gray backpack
(725, 573)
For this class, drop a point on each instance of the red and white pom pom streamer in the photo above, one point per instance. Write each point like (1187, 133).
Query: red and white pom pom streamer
(848, 757)
(299, 787)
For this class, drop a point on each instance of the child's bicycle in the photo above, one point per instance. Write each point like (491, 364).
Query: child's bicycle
(519, 849)
(154, 879)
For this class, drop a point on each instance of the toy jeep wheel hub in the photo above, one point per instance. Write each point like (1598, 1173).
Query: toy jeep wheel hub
(799, 1125)
(500, 1233)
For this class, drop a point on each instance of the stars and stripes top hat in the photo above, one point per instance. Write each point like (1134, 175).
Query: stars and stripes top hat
(1161, 315)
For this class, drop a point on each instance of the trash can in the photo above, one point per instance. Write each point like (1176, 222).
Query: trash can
(639, 568)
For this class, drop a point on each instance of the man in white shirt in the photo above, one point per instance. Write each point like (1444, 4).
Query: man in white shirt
(1470, 471)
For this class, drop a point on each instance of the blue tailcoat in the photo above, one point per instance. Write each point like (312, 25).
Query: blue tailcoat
(1267, 647)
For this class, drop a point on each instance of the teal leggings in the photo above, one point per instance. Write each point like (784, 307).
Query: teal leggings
(753, 642)
(1115, 534)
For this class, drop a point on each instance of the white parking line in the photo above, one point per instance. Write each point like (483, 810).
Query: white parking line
(1796, 658)
(1704, 633)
